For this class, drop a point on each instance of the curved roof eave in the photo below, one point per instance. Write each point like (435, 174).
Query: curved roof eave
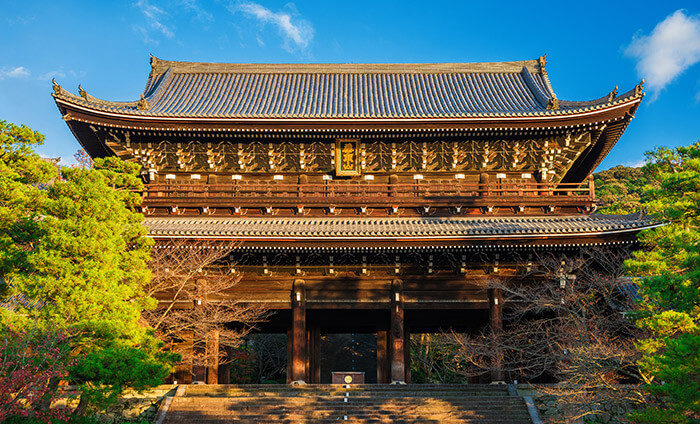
(369, 121)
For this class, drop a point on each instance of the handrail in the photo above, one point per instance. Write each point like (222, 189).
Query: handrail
(362, 189)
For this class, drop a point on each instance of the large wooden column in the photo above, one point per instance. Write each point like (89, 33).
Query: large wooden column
(396, 334)
(496, 323)
(212, 355)
(289, 354)
(184, 372)
(383, 357)
(225, 368)
(313, 351)
(407, 353)
(299, 331)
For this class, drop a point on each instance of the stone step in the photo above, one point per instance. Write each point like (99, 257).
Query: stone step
(427, 420)
(365, 404)
(342, 393)
(327, 388)
(225, 402)
(339, 393)
(343, 411)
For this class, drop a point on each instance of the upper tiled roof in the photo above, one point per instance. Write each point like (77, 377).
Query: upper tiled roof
(397, 91)
(393, 228)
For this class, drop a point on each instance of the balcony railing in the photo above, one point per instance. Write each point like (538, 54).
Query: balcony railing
(340, 192)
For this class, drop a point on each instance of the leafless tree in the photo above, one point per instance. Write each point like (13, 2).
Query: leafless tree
(192, 281)
(83, 160)
(270, 353)
(566, 321)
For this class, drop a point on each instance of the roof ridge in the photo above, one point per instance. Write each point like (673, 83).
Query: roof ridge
(159, 66)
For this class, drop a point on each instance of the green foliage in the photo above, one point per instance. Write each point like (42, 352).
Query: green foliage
(87, 419)
(620, 189)
(435, 360)
(22, 173)
(670, 263)
(104, 374)
(76, 244)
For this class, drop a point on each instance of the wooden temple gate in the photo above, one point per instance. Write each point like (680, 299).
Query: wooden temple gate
(385, 197)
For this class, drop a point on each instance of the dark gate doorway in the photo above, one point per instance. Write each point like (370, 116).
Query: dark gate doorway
(349, 352)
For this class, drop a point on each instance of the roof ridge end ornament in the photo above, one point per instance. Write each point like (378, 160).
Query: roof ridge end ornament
(57, 89)
(542, 61)
(553, 103)
(82, 92)
(639, 88)
(154, 63)
(612, 94)
(142, 103)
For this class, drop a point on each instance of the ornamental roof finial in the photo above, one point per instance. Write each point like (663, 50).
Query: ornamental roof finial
(612, 94)
(154, 64)
(57, 89)
(142, 104)
(553, 103)
(639, 88)
(543, 61)
(82, 92)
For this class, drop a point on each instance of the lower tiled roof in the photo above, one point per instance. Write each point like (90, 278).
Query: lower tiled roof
(393, 228)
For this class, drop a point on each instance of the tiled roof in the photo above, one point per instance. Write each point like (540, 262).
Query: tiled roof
(393, 228)
(397, 91)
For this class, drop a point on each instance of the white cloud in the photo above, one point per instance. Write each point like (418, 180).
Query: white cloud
(52, 74)
(671, 48)
(299, 33)
(635, 163)
(155, 16)
(194, 7)
(17, 72)
(144, 33)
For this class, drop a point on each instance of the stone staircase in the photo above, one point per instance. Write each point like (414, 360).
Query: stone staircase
(449, 404)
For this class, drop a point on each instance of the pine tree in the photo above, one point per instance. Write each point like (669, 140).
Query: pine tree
(670, 264)
(76, 246)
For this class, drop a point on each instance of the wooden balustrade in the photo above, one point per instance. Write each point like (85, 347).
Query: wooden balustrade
(361, 190)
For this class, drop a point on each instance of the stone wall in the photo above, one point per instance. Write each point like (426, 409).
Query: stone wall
(609, 408)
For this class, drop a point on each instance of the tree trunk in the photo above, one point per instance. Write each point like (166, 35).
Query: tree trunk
(82, 406)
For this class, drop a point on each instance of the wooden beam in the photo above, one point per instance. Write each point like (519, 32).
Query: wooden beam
(298, 331)
(396, 333)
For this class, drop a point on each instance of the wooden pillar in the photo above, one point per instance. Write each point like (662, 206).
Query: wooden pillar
(407, 353)
(225, 368)
(212, 353)
(314, 354)
(396, 333)
(289, 354)
(299, 331)
(484, 184)
(382, 357)
(185, 370)
(496, 323)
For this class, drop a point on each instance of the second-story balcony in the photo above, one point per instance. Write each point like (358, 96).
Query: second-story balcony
(353, 193)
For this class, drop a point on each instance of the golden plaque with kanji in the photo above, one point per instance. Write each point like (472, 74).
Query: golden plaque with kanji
(347, 156)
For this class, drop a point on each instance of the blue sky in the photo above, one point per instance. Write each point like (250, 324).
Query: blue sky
(591, 47)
